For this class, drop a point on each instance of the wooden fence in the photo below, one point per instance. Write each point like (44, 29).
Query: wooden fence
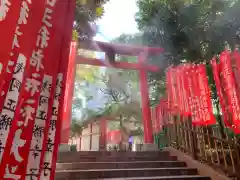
(207, 144)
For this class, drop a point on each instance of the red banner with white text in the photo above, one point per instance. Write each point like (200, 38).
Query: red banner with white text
(236, 72)
(226, 75)
(50, 155)
(188, 90)
(9, 16)
(173, 101)
(162, 113)
(206, 110)
(26, 137)
(28, 26)
(230, 88)
(221, 94)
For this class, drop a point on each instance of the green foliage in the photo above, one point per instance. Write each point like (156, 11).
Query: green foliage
(85, 14)
(85, 75)
(125, 117)
(156, 80)
(76, 128)
(189, 30)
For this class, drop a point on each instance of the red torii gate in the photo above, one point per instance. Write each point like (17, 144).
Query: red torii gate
(110, 51)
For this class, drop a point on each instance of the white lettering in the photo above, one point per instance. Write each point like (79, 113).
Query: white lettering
(27, 112)
(47, 17)
(1, 66)
(36, 59)
(10, 103)
(52, 131)
(43, 38)
(17, 143)
(15, 40)
(4, 8)
(24, 13)
(10, 63)
(33, 85)
(51, 2)
(9, 174)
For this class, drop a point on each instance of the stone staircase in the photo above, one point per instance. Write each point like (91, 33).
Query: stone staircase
(123, 165)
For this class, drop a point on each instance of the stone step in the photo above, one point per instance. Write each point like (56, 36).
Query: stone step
(120, 165)
(115, 153)
(162, 178)
(121, 173)
(91, 154)
(66, 159)
(196, 177)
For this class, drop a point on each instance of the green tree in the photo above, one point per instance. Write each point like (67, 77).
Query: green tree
(189, 30)
(86, 13)
(125, 117)
(156, 80)
(121, 105)
(85, 75)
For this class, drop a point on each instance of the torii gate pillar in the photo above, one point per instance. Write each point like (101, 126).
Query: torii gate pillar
(146, 111)
(147, 123)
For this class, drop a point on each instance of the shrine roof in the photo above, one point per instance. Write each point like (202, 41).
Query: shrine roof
(121, 49)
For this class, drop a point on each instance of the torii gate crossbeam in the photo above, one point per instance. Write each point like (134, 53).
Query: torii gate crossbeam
(118, 65)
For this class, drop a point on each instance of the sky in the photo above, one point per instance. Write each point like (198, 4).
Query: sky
(117, 19)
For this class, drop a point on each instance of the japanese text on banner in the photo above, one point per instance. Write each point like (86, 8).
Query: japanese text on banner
(10, 94)
(9, 14)
(26, 111)
(47, 164)
(50, 158)
(27, 27)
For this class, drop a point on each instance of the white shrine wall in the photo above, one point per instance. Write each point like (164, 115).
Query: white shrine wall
(88, 141)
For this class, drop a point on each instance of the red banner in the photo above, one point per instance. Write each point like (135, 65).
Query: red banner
(53, 141)
(27, 27)
(27, 132)
(9, 16)
(68, 95)
(194, 103)
(183, 91)
(186, 89)
(47, 111)
(230, 89)
(236, 73)
(205, 97)
(173, 101)
(201, 103)
(221, 94)
(169, 89)
(162, 114)
(179, 90)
